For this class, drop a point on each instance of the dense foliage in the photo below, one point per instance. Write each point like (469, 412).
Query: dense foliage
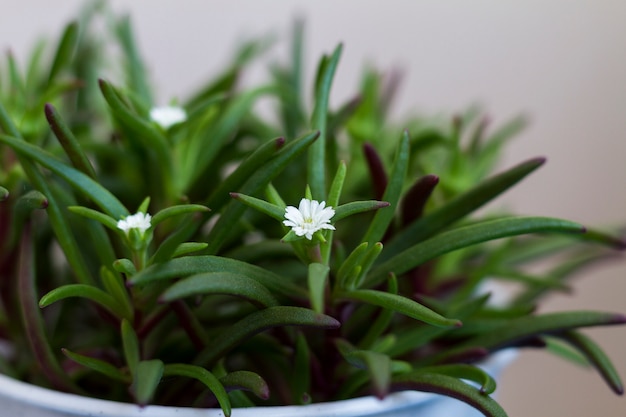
(205, 284)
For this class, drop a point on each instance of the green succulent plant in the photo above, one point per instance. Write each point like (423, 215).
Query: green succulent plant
(205, 255)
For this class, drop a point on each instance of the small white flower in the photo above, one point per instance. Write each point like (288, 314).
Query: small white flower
(167, 116)
(309, 217)
(139, 221)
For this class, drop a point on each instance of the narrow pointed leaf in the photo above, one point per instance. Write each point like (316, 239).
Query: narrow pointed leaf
(467, 372)
(116, 287)
(347, 268)
(226, 283)
(260, 321)
(416, 197)
(189, 265)
(467, 236)
(81, 182)
(184, 230)
(399, 304)
(355, 207)
(248, 381)
(378, 365)
(145, 131)
(451, 387)
(382, 218)
(459, 207)
(317, 279)
(187, 248)
(89, 292)
(136, 71)
(104, 219)
(146, 380)
(33, 323)
(234, 210)
(205, 377)
(514, 331)
(596, 356)
(130, 344)
(97, 365)
(65, 50)
(69, 142)
(301, 370)
(177, 210)
(244, 171)
(274, 211)
(316, 166)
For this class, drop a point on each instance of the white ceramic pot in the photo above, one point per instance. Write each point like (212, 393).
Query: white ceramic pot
(19, 399)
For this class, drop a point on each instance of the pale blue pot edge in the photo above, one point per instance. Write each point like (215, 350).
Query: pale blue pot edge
(18, 399)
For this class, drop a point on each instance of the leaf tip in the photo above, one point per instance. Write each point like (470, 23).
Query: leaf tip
(618, 319)
(49, 111)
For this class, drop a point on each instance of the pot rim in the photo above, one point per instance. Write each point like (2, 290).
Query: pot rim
(73, 404)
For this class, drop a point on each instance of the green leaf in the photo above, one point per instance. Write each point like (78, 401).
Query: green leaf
(32, 200)
(399, 304)
(69, 142)
(168, 248)
(333, 201)
(97, 365)
(378, 365)
(187, 248)
(467, 372)
(301, 385)
(89, 292)
(227, 283)
(248, 381)
(366, 264)
(260, 321)
(65, 50)
(373, 337)
(417, 337)
(316, 167)
(205, 377)
(274, 211)
(32, 321)
(457, 208)
(382, 219)
(202, 151)
(233, 212)
(523, 328)
(244, 171)
(317, 280)
(355, 207)
(596, 356)
(145, 131)
(125, 266)
(348, 269)
(135, 68)
(146, 379)
(467, 236)
(81, 182)
(177, 211)
(115, 286)
(102, 218)
(451, 387)
(189, 265)
(56, 216)
(130, 344)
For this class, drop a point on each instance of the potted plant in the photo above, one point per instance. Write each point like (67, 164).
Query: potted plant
(205, 255)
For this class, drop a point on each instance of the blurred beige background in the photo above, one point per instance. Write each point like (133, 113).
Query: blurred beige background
(563, 63)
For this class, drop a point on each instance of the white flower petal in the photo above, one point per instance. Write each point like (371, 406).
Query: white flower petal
(167, 116)
(139, 221)
(309, 217)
